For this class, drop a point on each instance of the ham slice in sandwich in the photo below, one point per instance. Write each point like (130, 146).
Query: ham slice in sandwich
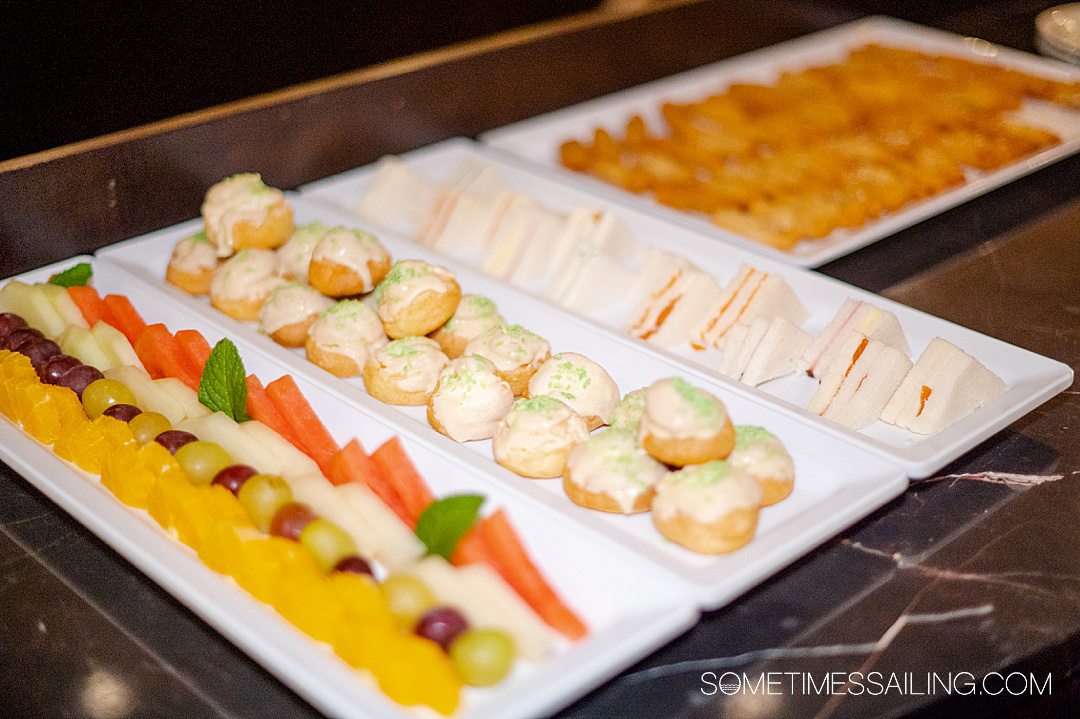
(858, 383)
(945, 385)
(750, 295)
(862, 317)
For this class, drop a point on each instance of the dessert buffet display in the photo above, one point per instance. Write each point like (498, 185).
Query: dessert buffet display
(479, 377)
(815, 147)
(845, 357)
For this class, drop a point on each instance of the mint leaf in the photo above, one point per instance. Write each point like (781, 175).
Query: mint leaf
(442, 525)
(223, 387)
(75, 276)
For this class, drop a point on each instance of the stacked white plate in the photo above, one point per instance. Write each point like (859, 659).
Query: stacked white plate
(1058, 33)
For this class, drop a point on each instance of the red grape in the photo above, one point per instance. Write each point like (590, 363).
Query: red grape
(52, 369)
(233, 477)
(290, 520)
(40, 351)
(9, 322)
(78, 377)
(17, 337)
(174, 439)
(122, 412)
(354, 564)
(441, 625)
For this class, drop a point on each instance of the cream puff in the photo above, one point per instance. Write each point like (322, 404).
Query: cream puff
(475, 315)
(469, 400)
(515, 351)
(192, 265)
(289, 312)
(405, 371)
(343, 337)
(347, 262)
(682, 424)
(536, 436)
(581, 383)
(295, 255)
(761, 455)
(627, 413)
(243, 282)
(242, 211)
(416, 298)
(610, 472)
(710, 508)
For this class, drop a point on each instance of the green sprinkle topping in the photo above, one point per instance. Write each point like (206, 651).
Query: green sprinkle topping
(747, 434)
(703, 475)
(543, 403)
(199, 237)
(402, 271)
(485, 306)
(404, 347)
(628, 411)
(703, 403)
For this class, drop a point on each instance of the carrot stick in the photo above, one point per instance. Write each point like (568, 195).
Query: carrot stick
(127, 318)
(403, 477)
(261, 408)
(306, 425)
(195, 347)
(513, 563)
(91, 305)
(352, 464)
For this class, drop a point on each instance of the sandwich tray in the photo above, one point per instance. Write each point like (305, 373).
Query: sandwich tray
(537, 140)
(1031, 378)
(632, 607)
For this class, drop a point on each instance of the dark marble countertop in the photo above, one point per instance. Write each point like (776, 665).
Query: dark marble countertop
(973, 571)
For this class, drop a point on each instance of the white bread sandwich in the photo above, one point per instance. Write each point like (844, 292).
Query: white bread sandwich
(678, 294)
(750, 295)
(468, 224)
(474, 176)
(777, 354)
(591, 283)
(738, 346)
(945, 385)
(877, 324)
(522, 226)
(859, 382)
(397, 198)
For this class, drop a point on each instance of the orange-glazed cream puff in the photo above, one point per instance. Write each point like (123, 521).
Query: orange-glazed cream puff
(192, 265)
(710, 508)
(761, 455)
(289, 312)
(405, 371)
(536, 436)
(610, 472)
(475, 315)
(469, 400)
(243, 282)
(682, 424)
(515, 351)
(581, 383)
(347, 262)
(416, 298)
(343, 337)
(242, 211)
(295, 255)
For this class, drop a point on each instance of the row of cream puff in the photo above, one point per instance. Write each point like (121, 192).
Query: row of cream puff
(710, 507)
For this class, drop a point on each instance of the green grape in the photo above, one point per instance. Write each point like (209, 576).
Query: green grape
(407, 597)
(202, 460)
(327, 542)
(101, 394)
(482, 657)
(262, 496)
(148, 425)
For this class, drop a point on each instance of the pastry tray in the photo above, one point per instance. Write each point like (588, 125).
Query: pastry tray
(1032, 379)
(537, 139)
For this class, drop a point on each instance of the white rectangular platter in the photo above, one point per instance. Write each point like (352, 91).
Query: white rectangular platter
(1032, 378)
(836, 482)
(630, 606)
(538, 139)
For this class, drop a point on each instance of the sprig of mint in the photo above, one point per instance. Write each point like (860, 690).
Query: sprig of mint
(442, 525)
(75, 276)
(223, 387)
